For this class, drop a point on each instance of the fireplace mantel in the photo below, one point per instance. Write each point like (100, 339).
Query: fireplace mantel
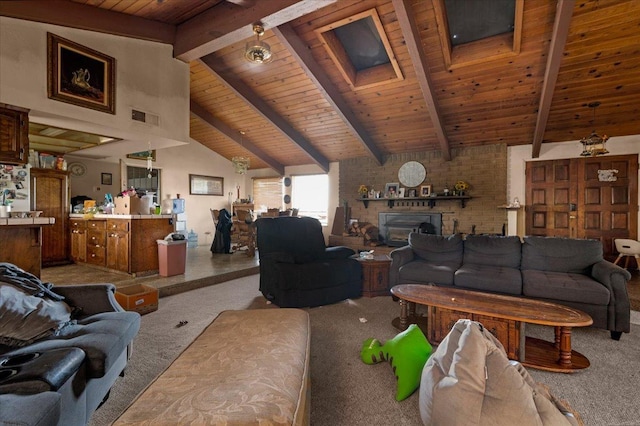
(417, 201)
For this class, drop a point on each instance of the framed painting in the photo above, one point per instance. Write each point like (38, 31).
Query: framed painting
(205, 185)
(80, 75)
(106, 179)
(143, 155)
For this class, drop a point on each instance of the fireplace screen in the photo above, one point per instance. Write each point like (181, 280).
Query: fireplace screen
(394, 228)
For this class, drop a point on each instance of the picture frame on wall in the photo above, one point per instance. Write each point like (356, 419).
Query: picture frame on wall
(391, 189)
(425, 190)
(79, 75)
(106, 179)
(412, 193)
(206, 185)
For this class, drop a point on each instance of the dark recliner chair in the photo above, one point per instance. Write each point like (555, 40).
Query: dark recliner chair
(298, 270)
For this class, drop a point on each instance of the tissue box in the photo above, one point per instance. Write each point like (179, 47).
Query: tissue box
(139, 298)
(130, 205)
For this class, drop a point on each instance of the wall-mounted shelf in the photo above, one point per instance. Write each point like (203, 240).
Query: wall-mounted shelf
(420, 201)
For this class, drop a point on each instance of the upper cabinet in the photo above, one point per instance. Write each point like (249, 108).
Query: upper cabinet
(14, 134)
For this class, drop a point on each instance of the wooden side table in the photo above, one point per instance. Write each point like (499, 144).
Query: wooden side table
(375, 275)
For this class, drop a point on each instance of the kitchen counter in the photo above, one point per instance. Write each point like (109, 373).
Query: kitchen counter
(5, 221)
(120, 216)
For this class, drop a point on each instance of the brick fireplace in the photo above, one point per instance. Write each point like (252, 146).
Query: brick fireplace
(394, 228)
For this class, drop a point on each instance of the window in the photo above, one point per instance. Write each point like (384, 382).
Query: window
(267, 194)
(473, 31)
(138, 178)
(310, 195)
(359, 47)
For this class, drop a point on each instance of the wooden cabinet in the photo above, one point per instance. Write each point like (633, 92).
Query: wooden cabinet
(506, 331)
(50, 193)
(78, 240)
(14, 134)
(96, 242)
(375, 275)
(118, 245)
(24, 249)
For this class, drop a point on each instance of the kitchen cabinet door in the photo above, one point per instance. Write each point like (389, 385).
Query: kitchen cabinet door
(14, 134)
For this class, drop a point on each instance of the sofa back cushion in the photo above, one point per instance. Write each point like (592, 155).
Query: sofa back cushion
(492, 250)
(556, 254)
(437, 248)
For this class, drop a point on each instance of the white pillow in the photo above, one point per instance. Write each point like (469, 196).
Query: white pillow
(25, 318)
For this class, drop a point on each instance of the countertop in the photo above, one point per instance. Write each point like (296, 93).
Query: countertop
(121, 216)
(6, 221)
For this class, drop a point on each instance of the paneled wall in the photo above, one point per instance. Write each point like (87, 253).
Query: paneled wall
(483, 167)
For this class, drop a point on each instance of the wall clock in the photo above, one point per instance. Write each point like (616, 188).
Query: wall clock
(77, 169)
(412, 173)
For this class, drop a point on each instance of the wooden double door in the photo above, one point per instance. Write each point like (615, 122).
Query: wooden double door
(594, 197)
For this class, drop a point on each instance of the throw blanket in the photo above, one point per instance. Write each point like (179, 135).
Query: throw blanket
(29, 283)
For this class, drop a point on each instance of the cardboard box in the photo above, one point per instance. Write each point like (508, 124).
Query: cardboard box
(138, 297)
(131, 205)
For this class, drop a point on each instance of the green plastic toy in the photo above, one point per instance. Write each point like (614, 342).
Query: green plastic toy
(408, 352)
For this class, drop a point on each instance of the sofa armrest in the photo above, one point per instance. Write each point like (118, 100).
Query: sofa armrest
(338, 252)
(91, 298)
(615, 279)
(399, 257)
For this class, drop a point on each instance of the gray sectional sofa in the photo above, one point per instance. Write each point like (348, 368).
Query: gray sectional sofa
(569, 272)
(61, 348)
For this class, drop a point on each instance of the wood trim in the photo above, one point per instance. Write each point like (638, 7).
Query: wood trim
(412, 39)
(302, 54)
(261, 107)
(564, 12)
(217, 124)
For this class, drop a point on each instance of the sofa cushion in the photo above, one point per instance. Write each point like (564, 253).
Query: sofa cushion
(422, 271)
(497, 279)
(40, 409)
(564, 287)
(25, 318)
(103, 337)
(492, 250)
(437, 249)
(560, 254)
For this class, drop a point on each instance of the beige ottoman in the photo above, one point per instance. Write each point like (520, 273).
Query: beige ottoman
(247, 367)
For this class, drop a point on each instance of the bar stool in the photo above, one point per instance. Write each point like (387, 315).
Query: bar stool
(627, 248)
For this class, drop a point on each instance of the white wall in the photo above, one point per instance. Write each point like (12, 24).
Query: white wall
(517, 157)
(148, 78)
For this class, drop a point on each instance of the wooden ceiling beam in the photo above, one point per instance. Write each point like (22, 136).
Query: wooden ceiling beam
(226, 23)
(409, 29)
(84, 17)
(302, 54)
(564, 12)
(217, 124)
(261, 107)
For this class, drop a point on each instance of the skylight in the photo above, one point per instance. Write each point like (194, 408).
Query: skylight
(360, 49)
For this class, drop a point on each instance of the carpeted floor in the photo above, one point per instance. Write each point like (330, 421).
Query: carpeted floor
(344, 390)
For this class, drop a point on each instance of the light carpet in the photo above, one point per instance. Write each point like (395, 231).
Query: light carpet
(345, 391)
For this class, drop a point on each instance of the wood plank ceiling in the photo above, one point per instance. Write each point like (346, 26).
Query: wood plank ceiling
(298, 109)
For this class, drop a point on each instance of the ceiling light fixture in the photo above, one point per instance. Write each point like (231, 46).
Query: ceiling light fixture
(258, 52)
(594, 144)
(240, 162)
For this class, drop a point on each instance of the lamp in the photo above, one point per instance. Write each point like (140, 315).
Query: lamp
(258, 52)
(594, 144)
(240, 162)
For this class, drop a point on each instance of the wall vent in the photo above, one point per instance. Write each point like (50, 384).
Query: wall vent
(145, 117)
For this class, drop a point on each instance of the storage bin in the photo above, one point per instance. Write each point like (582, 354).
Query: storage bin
(139, 298)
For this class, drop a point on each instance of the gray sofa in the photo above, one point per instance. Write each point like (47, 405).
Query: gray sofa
(62, 375)
(569, 272)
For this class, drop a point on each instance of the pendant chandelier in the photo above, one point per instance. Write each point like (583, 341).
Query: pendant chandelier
(258, 52)
(594, 144)
(240, 162)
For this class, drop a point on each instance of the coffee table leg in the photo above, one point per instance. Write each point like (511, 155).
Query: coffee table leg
(565, 346)
(404, 320)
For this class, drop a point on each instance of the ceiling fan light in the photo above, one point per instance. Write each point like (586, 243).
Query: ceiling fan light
(258, 52)
(240, 164)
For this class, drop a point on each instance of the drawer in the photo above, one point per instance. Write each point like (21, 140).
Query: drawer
(97, 224)
(443, 320)
(77, 224)
(96, 238)
(118, 225)
(96, 255)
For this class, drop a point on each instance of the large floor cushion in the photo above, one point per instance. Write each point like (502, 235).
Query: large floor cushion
(247, 367)
(469, 381)
(564, 287)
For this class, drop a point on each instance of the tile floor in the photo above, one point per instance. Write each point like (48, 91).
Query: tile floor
(202, 269)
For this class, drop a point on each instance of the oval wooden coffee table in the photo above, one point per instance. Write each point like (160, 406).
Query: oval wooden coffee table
(504, 316)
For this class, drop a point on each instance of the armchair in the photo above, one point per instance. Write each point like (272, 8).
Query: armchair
(296, 267)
